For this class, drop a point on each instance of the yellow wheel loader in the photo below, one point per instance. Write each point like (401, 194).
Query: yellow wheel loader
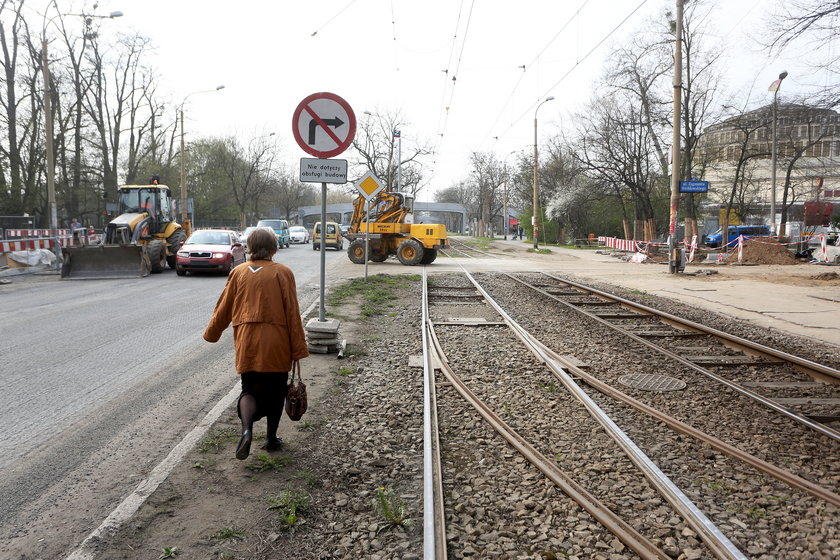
(391, 231)
(144, 238)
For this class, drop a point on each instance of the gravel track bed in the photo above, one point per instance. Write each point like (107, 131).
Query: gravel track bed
(766, 435)
(781, 441)
(531, 401)
(498, 505)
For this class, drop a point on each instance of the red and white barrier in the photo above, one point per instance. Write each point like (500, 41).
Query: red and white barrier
(32, 233)
(32, 244)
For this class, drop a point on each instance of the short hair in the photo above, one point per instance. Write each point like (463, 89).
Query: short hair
(262, 244)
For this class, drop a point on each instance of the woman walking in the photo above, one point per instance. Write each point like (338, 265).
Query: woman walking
(260, 300)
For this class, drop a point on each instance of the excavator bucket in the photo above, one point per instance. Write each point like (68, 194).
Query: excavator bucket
(105, 261)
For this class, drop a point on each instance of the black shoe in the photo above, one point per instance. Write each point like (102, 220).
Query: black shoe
(273, 444)
(244, 447)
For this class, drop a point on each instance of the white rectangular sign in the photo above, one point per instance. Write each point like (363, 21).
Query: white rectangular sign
(314, 170)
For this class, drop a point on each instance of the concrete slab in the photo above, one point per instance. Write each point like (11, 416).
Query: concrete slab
(326, 326)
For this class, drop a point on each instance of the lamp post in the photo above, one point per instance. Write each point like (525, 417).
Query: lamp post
(535, 217)
(183, 202)
(48, 122)
(774, 87)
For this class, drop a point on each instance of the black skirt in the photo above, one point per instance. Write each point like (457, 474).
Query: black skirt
(268, 388)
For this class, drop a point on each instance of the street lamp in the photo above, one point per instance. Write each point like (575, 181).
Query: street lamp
(183, 203)
(774, 87)
(534, 218)
(48, 121)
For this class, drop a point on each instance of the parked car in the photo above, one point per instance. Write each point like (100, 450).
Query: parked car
(281, 230)
(298, 234)
(714, 240)
(248, 231)
(344, 228)
(332, 238)
(210, 250)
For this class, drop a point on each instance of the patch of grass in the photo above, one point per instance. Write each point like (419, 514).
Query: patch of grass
(310, 479)
(344, 371)
(387, 504)
(540, 251)
(550, 387)
(289, 504)
(168, 552)
(638, 292)
(376, 293)
(228, 533)
(266, 462)
(215, 439)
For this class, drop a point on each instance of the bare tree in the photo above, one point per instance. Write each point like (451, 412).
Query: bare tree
(380, 150)
(245, 169)
(815, 24)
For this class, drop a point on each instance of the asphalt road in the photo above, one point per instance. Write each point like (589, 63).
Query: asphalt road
(100, 379)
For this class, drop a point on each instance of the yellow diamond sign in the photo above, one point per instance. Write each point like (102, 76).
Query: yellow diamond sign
(369, 185)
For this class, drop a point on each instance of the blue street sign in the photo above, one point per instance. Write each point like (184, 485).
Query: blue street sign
(694, 186)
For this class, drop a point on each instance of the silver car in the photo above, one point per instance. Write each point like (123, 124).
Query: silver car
(299, 234)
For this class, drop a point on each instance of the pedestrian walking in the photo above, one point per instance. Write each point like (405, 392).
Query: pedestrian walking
(260, 301)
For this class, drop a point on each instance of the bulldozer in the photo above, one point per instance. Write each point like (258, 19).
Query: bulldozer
(391, 231)
(144, 238)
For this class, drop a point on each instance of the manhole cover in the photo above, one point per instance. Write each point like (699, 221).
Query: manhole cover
(651, 382)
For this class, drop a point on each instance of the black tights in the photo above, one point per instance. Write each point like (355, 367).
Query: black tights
(247, 413)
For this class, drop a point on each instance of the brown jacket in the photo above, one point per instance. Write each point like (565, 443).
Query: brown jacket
(260, 300)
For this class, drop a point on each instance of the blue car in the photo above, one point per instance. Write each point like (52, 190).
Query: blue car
(714, 240)
(281, 230)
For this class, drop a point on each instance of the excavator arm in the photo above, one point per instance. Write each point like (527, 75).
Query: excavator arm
(386, 207)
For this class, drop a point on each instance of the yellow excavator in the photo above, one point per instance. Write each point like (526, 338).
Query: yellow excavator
(391, 231)
(144, 238)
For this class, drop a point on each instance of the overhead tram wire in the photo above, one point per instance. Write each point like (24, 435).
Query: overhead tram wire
(455, 76)
(525, 67)
(576, 64)
(341, 11)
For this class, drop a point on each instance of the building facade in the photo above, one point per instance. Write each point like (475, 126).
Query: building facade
(736, 158)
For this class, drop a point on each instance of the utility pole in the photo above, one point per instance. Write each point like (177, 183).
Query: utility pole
(673, 252)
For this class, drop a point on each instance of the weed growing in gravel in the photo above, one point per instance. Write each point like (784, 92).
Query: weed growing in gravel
(390, 507)
(214, 440)
(354, 350)
(550, 387)
(344, 371)
(540, 251)
(311, 480)
(229, 533)
(267, 463)
(310, 425)
(289, 504)
(757, 512)
(168, 552)
(721, 487)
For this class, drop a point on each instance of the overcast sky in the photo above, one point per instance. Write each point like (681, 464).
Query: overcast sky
(452, 67)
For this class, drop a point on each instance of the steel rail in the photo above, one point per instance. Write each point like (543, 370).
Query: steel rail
(782, 475)
(434, 521)
(769, 403)
(621, 529)
(691, 325)
(713, 537)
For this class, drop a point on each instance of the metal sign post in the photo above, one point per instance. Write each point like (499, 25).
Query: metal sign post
(367, 240)
(318, 125)
(368, 186)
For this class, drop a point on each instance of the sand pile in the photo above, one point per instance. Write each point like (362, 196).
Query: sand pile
(756, 252)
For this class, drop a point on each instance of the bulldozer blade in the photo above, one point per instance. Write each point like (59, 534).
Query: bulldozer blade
(104, 262)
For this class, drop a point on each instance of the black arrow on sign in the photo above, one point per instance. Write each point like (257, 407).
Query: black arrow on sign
(313, 124)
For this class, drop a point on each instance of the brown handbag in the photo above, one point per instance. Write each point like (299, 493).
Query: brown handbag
(296, 395)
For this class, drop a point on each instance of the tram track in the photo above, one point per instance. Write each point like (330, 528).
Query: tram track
(467, 303)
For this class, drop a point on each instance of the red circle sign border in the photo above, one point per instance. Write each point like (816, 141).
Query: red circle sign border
(343, 145)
